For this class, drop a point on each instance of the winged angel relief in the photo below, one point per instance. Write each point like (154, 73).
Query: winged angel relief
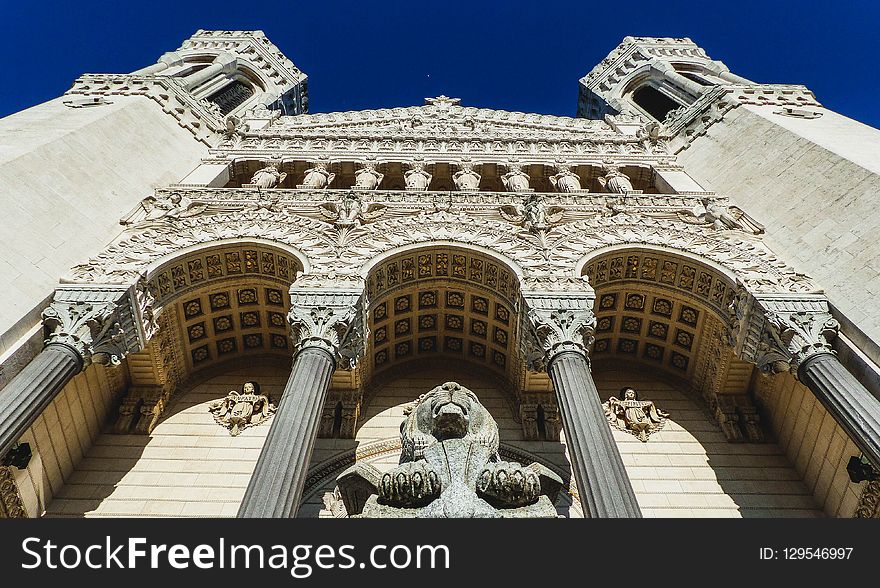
(533, 215)
(351, 211)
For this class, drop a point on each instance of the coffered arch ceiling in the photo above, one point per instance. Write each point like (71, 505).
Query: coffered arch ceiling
(657, 307)
(443, 303)
(226, 301)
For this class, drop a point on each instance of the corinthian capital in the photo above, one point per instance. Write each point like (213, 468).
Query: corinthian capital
(791, 338)
(101, 323)
(327, 320)
(558, 322)
(780, 333)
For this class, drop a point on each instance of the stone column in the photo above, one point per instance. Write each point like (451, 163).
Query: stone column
(224, 63)
(321, 326)
(170, 59)
(85, 325)
(563, 326)
(799, 340)
(676, 79)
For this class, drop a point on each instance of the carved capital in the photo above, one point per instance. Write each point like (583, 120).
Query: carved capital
(11, 504)
(102, 324)
(329, 320)
(558, 322)
(780, 333)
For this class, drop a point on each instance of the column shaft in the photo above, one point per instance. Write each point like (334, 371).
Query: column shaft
(31, 390)
(605, 489)
(275, 489)
(151, 69)
(850, 403)
(203, 75)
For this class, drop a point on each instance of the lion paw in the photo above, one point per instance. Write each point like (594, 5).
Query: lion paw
(409, 485)
(508, 484)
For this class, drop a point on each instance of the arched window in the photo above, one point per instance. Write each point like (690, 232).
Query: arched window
(654, 102)
(231, 96)
(542, 423)
(337, 420)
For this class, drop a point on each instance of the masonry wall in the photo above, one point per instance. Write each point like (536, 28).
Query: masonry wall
(813, 441)
(191, 466)
(63, 434)
(68, 176)
(814, 184)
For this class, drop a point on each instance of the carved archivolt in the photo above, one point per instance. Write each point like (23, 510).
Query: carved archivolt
(556, 251)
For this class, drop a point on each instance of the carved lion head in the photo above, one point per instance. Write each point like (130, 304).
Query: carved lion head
(448, 411)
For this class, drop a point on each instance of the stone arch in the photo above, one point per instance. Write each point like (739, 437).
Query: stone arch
(669, 311)
(442, 300)
(744, 258)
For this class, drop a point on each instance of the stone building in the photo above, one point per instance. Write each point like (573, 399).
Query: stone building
(703, 239)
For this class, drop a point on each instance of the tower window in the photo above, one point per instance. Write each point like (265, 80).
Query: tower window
(654, 102)
(231, 96)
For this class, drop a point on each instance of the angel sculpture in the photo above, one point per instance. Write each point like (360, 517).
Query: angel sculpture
(351, 211)
(367, 178)
(565, 180)
(240, 410)
(175, 206)
(516, 180)
(639, 417)
(417, 179)
(614, 180)
(730, 217)
(532, 214)
(268, 177)
(318, 177)
(466, 179)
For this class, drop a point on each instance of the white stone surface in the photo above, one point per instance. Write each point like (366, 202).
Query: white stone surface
(814, 185)
(66, 177)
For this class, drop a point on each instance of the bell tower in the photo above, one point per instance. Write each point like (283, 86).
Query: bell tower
(236, 71)
(651, 77)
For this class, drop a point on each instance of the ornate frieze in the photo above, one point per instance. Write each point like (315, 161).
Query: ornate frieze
(11, 504)
(588, 225)
(869, 501)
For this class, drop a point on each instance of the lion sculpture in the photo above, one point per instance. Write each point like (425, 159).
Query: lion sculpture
(450, 468)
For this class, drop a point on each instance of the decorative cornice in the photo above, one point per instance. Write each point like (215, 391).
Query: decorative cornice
(199, 117)
(297, 220)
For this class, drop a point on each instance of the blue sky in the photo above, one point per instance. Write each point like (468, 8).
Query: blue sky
(510, 55)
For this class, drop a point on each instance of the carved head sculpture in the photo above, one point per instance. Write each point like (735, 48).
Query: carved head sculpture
(627, 393)
(250, 388)
(448, 411)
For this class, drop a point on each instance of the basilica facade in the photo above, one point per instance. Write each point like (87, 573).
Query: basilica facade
(220, 305)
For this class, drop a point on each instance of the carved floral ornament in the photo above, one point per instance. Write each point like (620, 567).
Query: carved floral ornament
(563, 246)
